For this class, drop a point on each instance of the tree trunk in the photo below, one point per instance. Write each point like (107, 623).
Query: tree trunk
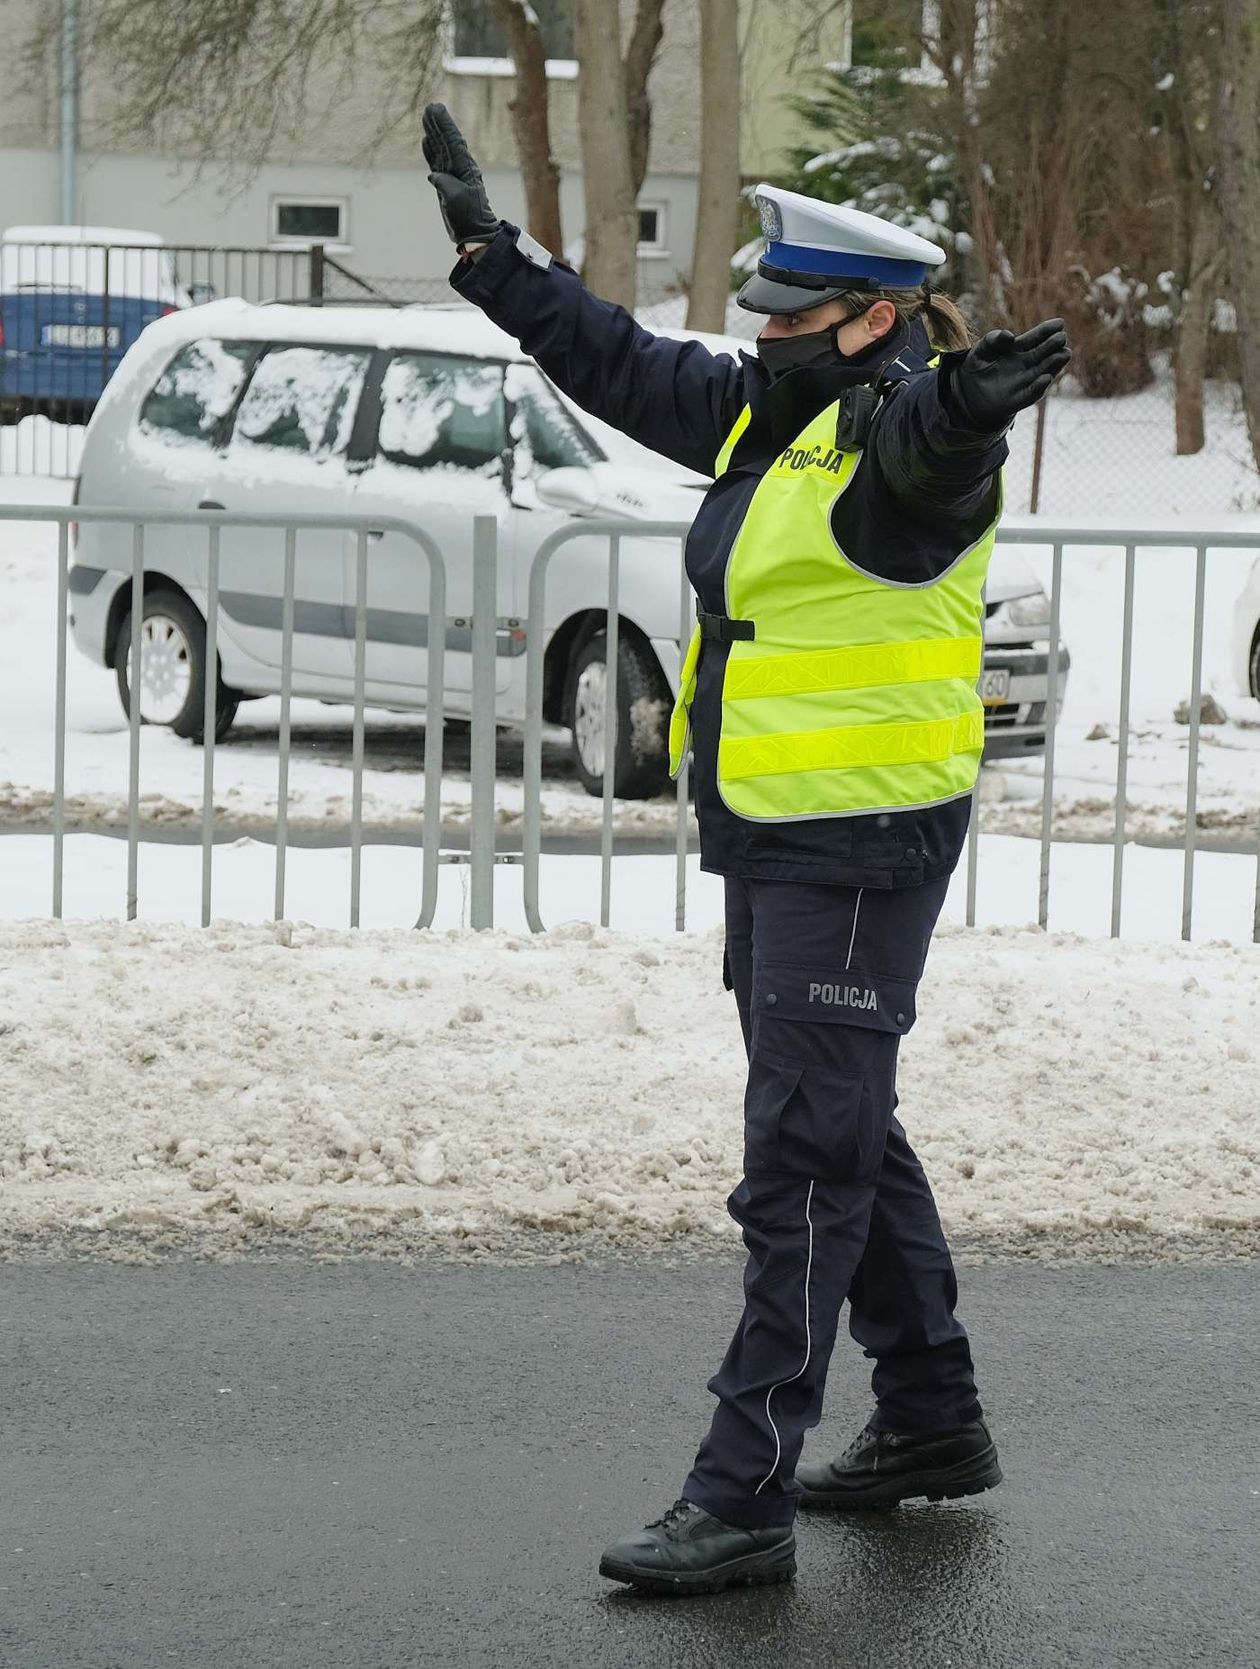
(1193, 323)
(612, 221)
(1240, 190)
(640, 56)
(717, 217)
(955, 52)
(531, 124)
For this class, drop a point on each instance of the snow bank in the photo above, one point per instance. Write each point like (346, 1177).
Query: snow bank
(382, 1093)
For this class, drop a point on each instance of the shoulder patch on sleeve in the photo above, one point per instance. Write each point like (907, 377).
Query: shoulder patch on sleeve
(533, 251)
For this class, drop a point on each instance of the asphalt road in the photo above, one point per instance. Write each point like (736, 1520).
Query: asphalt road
(368, 1466)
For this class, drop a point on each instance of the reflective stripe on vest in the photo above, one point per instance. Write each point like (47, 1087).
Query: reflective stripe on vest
(732, 441)
(857, 694)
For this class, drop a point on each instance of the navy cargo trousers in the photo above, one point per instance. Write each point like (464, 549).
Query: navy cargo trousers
(833, 1203)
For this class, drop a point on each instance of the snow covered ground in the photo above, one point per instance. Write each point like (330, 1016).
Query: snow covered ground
(381, 1093)
(386, 1092)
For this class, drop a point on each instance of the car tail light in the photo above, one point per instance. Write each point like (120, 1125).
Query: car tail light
(169, 309)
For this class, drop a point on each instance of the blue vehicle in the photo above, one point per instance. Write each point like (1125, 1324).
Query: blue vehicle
(72, 301)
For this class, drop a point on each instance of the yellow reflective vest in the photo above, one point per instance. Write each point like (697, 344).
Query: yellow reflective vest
(857, 694)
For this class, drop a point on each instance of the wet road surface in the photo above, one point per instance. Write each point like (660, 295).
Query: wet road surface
(368, 1466)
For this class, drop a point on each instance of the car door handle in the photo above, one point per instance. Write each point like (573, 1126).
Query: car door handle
(211, 504)
(376, 532)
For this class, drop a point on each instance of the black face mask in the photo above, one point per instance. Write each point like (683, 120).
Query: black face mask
(780, 354)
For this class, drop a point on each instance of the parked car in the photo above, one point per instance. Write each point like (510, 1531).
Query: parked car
(1015, 683)
(428, 414)
(72, 301)
(1245, 635)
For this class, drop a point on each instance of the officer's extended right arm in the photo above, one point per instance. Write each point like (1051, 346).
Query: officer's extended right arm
(675, 397)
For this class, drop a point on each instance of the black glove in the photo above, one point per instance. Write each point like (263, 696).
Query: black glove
(457, 179)
(1004, 373)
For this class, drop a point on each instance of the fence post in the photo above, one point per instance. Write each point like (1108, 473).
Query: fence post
(1039, 448)
(1052, 720)
(317, 272)
(612, 639)
(135, 686)
(1192, 764)
(59, 722)
(209, 720)
(484, 642)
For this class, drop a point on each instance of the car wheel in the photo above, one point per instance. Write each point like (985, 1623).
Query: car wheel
(1255, 665)
(643, 708)
(172, 668)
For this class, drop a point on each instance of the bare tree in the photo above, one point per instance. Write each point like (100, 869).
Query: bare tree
(1239, 127)
(645, 38)
(531, 122)
(1185, 98)
(612, 220)
(233, 81)
(717, 217)
(955, 49)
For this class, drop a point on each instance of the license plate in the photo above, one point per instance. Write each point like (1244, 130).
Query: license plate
(995, 687)
(81, 336)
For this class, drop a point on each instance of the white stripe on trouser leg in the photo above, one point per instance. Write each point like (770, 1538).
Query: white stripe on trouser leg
(853, 936)
(809, 1263)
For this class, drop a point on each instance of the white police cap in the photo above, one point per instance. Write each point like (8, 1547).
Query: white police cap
(815, 251)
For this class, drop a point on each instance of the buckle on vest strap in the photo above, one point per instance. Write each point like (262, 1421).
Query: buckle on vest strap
(724, 629)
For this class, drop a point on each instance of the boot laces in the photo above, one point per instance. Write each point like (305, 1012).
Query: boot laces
(856, 1444)
(673, 1516)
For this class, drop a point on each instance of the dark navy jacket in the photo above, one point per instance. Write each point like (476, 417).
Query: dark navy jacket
(923, 491)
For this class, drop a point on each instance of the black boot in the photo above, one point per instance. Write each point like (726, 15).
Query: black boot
(688, 1551)
(879, 1468)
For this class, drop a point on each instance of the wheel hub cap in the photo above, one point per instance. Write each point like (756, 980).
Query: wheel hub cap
(165, 669)
(589, 700)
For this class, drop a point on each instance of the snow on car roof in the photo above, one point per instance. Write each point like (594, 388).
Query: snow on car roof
(445, 329)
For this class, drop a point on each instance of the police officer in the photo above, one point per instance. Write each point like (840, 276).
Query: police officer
(829, 695)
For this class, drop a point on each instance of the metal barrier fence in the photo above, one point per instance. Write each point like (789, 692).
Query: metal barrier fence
(1059, 539)
(290, 525)
(483, 627)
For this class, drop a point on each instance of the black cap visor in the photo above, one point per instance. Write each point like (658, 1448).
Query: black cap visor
(776, 290)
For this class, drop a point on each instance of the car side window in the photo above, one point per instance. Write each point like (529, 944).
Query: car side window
(303, 400)
(438, 411)
(196, 390)
(544, 434)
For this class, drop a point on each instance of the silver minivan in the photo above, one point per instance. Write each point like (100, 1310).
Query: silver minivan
(424, 414)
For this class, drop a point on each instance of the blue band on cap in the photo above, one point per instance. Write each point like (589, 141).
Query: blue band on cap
(835, 263)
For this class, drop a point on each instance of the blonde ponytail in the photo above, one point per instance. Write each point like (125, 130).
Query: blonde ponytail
(946, 327)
